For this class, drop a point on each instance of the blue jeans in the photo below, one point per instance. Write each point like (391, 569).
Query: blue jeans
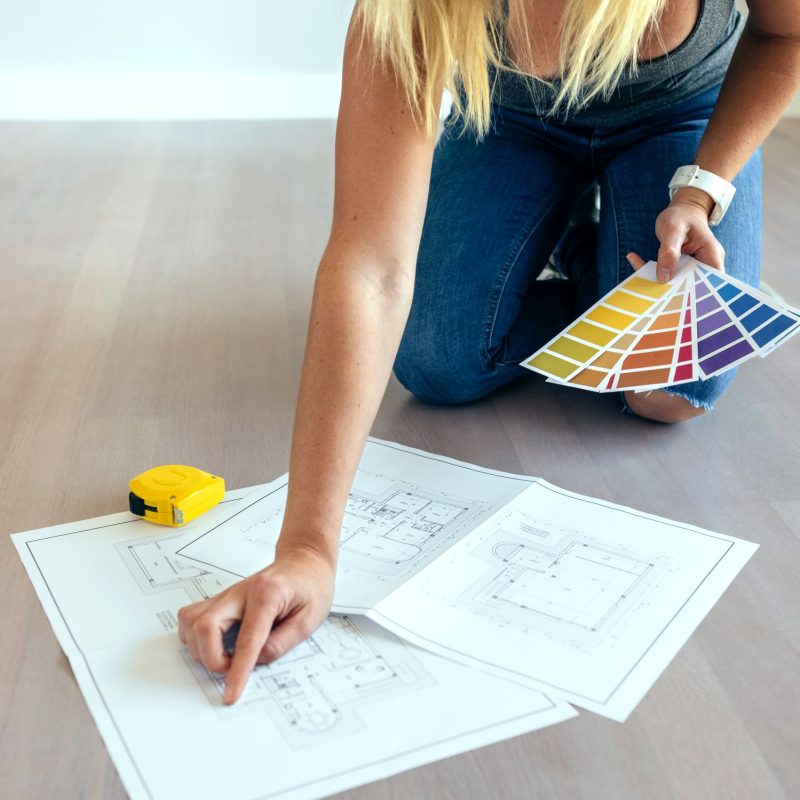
(498, 208)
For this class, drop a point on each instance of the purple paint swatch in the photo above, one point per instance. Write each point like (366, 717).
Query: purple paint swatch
(717, 340)
(725, 357)
(712, 322)
(700, 289)
(707, 304)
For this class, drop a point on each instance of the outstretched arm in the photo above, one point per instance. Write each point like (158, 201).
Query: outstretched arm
(361, 301)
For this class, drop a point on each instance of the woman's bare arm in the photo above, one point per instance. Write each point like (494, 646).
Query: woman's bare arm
(762, 79)
(361, 301)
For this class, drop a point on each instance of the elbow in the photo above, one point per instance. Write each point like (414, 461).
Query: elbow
(378, 278)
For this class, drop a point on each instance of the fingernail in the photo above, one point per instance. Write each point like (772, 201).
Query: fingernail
(663, 275)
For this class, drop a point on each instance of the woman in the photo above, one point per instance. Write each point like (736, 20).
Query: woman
(624, 94)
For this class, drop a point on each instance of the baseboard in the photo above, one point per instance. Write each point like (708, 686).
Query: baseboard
(68, 96)
(59, 95)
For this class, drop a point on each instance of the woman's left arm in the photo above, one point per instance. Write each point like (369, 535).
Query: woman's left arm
(762, 79)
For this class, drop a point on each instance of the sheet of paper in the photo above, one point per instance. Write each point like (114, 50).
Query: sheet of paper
(565, 593)
(405, 508)
(578, 597)
(351, 705)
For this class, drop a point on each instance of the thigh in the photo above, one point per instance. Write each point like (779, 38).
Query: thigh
(495, 210)
(634, 191)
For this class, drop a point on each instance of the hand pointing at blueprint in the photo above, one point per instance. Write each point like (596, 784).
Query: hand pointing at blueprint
(279, 607)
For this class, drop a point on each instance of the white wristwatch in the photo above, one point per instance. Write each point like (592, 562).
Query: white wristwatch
(720, 190)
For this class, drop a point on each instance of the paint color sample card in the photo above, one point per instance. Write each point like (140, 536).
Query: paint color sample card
(351, 705)
(646, 335)
(580, 598)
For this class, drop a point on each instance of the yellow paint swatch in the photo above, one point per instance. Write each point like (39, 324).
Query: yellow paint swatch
(552, 365)
(591, 333)
(647, 288)
(628, 302)
(611, 318)
(572, 349)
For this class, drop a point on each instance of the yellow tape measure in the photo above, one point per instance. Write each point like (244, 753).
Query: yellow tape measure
(174, 494)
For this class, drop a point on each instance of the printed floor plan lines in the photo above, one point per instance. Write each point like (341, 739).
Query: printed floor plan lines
(312, 691)
(398, 525)
(155, 568)
(578, 588)
(566, 584)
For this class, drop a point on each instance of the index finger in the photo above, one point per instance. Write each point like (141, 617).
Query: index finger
(256, 624)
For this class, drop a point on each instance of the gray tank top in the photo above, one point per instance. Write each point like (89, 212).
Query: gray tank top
(697, 64)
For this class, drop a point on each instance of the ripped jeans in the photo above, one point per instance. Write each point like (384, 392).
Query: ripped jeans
(497, 210)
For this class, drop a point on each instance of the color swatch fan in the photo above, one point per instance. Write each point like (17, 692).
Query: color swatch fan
(647, 335)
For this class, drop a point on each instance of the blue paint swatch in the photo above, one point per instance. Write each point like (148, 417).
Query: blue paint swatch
(757, 317)
(773, 330)
(728, 292)
(743, 304)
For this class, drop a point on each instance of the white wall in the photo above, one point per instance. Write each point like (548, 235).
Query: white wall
(170, 58)
(220, 59)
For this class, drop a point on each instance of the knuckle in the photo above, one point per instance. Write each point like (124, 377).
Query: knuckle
(263, 583)
(205, 625)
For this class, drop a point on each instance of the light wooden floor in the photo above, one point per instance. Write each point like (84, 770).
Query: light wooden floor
(155, 287)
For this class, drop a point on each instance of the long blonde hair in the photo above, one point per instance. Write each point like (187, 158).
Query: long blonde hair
(431, 44)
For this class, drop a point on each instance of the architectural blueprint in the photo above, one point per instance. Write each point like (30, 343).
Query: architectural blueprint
(352, 704)
(570, 594)
(559, 582)
(404, 509)
(567, 593)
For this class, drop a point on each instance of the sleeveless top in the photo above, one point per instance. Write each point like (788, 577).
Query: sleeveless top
(694, 66)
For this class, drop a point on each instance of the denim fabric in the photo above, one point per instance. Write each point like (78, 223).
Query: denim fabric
(497, 209)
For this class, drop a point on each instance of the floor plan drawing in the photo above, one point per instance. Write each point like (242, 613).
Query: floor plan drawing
(390, 529)
(312, 692)
(558, 581)
(384, 532)
(155, 568)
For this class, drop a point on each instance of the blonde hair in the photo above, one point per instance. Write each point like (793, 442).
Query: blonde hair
(451, 44)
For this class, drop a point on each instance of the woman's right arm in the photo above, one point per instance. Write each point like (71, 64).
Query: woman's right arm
(361, 301)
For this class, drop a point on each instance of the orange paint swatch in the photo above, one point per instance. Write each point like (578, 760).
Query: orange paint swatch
(643, 378)
(652, 358)
(666, 321)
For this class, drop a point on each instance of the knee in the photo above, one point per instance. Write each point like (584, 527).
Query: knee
(435, 379)
(662, 407)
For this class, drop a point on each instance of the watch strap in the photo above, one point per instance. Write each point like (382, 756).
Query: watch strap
(720, 190)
